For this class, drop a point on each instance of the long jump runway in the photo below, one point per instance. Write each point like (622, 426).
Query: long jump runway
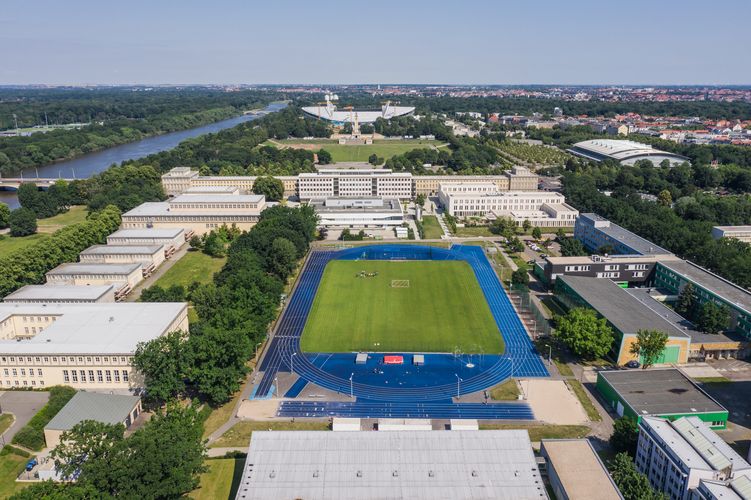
(520, 358)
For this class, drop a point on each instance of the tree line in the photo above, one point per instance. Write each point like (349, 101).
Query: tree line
(234, 313)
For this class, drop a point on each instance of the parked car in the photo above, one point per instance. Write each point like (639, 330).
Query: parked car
(31, 464)
(633, 364)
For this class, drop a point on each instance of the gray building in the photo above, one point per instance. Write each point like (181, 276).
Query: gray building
(363, 465)
(596, 232)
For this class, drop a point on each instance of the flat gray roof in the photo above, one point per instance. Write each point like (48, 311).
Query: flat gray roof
(105, 408)
(123, 249)
(58, 292)
(163, 208)
(710, 281)
(643, 295)
(147, 233)
(96, 328)
(660, 392)
(78, 268)
(626, 312)
(641, 245)
(579, 469)
(217, 198)
(364, 465)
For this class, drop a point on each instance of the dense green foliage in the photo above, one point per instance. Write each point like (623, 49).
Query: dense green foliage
(234, 312)
(114, 116)
(46, 203)
(4, 216)
(407, 125)
(633, 484)
(31, 435)
(465, 156)
(23, 222)
(649, 346)
(625, 435)
(584, 333)
(29, 265)
(532, 153)
(271, 187)
(161, 460)
(713, 318)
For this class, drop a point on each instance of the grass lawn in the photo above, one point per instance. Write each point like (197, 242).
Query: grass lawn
(507, 391)
(75, 215)
(6, 420)
(239, 435)
(11, 466)
(473, 231)
(442, 309)
(581, 393)
(343, 153)
(431, 228)
(10, 244)
(194, 266)
(544, 431)
(713, 380)
(221, 481)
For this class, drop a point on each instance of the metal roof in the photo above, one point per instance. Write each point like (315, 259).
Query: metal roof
(721, 287)
(123, 250)
(622, 309)
(742, 486)
(364, 465)
(621, 149)
(701, 444)
(641, 246)
(105, 408)
(162, 208)
(96, 328)
(58, 292)
(217, 198)
(79, 268)
(579, 469)
(162, 233)
(660, 392)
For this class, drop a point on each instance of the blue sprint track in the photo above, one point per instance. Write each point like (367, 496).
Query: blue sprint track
(520, 358)
(381, 409)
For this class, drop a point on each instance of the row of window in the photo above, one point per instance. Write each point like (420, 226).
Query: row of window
(192, 218)
(24, 383)
(243, 205)
(101, 376)
(14, 372)
(66, 359)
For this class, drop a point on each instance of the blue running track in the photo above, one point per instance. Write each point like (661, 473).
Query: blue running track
(520, 358)
(381, 409)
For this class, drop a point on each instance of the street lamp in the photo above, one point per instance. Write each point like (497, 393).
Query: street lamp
(291, 362)
(257, 345)
(458, 386)
(351, 391)
(276, 381)
(550, 354)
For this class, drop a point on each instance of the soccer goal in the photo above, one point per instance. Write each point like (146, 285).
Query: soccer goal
(399, 283)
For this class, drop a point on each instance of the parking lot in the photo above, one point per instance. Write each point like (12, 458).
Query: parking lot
(734, 369)
(23, 405)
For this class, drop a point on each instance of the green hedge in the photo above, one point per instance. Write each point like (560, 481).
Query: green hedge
(31, 435)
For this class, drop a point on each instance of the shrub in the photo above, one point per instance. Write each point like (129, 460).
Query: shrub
(31, 435)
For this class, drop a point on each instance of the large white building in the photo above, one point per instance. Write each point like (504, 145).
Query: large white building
(680, 455)
(150, 257)
(86, 346)
(358, 212)
(624, 152)
(170, 239)
(124, 276)
(740, 233)
(482, 199)
(329, 112)
(197, 213)
(68, 294)
(352, 182)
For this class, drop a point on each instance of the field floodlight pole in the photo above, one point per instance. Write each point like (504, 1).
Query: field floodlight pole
(276, 381)
(291, 364)
(351, 388)
(550, 354)
(458, 386)
(257, 345)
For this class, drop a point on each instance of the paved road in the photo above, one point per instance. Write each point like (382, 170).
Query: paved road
(23, 405)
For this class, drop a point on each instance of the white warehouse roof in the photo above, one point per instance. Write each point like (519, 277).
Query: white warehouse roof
(364, 465)
(164, 233)
(59, 292)
(330, 113)
(622, 150)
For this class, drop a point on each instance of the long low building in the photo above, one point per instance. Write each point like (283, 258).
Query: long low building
(623, 269)
(150, 257)
(197, 213)
(171, 239)
(64, 294)
(86, 346)
(598, 233)
(123, 276)
(353, 182)
(576, 472)
(358, 212)
(625, 314)
(482, 199)
(624, 152)
(740, 233)
(320, 465)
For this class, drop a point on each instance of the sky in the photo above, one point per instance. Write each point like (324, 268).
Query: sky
(655, 42)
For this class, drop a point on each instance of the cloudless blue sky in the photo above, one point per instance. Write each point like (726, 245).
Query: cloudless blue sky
(384, 41)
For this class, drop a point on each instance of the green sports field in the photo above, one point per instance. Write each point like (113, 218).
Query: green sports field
(407, 306)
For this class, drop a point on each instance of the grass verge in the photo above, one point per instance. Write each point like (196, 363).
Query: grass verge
(431, 228)
(581, 393)
(193, 266)
(239, 435)
(507, 391)
(544, 431)
(221, 480)
(6, 420)
(11, 465)
(713, 380)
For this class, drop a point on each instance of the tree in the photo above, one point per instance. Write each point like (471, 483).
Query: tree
(373, 159)
(625, 435)
(633, 484)
(215, 245)
(584, 333)
(503, 226)
(664, 198)
(164, 363)
(571, 247)
(712, 318)
(196, 242)
(520, 277)
(516, 245)
(271, 187)
(420, 199)
(526, 225)
(560, 234)
(686, 305)
(218, 362)
(4, 216)
(324, 157)
(23, 222)
(87, 443)
(649, 345)
(537, 233)
(284, 257)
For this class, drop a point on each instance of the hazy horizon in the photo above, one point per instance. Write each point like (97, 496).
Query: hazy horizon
(83, 42)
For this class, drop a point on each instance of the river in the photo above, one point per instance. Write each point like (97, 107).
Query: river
(90, 164)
